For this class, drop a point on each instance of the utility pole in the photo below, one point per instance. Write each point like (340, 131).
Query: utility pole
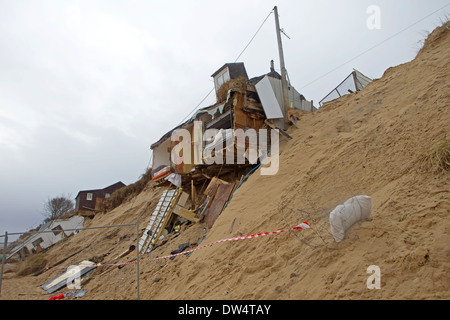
(284, 85)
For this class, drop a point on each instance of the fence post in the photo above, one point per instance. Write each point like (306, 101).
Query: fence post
(137, 257)
(5, 244)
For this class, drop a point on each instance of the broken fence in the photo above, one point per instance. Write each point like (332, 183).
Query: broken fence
(5, 236)
(301, 226)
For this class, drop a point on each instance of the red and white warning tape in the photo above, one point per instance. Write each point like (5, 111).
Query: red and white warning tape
(303, 225)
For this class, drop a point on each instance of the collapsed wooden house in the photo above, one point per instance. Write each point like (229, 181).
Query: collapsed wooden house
(242, 103)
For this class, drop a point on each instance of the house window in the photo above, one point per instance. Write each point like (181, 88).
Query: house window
(37, 242)
(56, 230)
(222, 77)
(107, 195)
(89, 196)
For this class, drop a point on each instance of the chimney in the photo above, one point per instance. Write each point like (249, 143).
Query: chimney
(272, 66)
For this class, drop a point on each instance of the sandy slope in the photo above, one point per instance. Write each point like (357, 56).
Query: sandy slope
(371, 143)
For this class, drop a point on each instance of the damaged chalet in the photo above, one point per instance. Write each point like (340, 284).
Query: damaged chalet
(201, 176)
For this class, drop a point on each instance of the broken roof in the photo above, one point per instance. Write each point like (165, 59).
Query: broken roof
(191, 119)
(236, 70)
(272, 73)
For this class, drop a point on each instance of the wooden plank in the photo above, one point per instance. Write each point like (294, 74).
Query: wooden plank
(218, 202)
(185, 213)
(240, 118)
(212, 186)
(193, 194)
(183, 198)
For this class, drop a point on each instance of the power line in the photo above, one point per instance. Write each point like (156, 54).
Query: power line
(257, 31)
(197, 106)
(377, 45)
(240, 54)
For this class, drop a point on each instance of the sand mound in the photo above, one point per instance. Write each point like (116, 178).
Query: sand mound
(368, 143)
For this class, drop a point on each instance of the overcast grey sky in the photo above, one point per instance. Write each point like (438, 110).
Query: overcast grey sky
(87, 86)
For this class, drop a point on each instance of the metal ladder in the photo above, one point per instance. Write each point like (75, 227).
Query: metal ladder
(157, 220)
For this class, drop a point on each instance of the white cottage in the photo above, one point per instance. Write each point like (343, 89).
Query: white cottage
(49, 234)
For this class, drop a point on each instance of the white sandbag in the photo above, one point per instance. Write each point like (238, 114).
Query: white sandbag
(345, 215)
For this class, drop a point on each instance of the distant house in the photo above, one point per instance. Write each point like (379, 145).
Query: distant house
(47, 235)
(87, 201)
